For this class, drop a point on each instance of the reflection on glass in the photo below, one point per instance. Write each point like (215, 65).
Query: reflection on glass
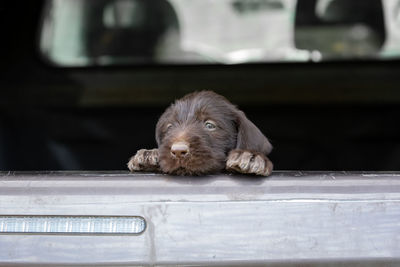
(109, 32)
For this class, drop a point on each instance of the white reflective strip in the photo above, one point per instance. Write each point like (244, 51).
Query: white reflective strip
(72, 224)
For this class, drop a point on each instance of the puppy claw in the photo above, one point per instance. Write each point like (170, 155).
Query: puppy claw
(144, 160)
(257, 165)
(247, 162)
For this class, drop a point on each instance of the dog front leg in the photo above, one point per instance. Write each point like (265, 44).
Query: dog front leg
(248, 162)
(144, 160)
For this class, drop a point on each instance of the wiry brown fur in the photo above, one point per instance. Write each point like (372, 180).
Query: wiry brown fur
(209, 150)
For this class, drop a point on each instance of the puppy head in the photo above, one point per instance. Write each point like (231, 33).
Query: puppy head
(195, 134)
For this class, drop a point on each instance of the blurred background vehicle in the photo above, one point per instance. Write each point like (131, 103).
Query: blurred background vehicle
(82, 83)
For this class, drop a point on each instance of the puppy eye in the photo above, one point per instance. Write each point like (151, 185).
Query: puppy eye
(169, 126)
(210, 125)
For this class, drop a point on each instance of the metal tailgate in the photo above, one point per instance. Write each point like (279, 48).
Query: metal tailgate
(312, 218)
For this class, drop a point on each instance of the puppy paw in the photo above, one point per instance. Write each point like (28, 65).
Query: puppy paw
(248, 162)
(144, 160)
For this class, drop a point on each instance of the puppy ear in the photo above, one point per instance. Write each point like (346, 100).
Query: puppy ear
(161, 124)
(249, 137)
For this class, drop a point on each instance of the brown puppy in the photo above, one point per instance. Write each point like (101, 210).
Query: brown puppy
(204, 133)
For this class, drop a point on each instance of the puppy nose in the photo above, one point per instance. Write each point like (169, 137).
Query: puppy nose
(179, 149)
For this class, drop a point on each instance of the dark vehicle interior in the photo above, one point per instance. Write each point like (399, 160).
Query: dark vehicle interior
(335, 109)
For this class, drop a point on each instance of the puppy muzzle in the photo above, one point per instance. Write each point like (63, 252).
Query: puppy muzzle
(180, 150)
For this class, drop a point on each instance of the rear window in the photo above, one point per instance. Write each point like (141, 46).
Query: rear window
(115, 32)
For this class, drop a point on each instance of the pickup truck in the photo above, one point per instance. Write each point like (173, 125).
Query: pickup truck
(83, 83)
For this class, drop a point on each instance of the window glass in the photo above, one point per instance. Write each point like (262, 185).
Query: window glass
(115, 32)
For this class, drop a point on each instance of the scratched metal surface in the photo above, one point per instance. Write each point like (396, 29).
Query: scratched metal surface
(312, 218)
